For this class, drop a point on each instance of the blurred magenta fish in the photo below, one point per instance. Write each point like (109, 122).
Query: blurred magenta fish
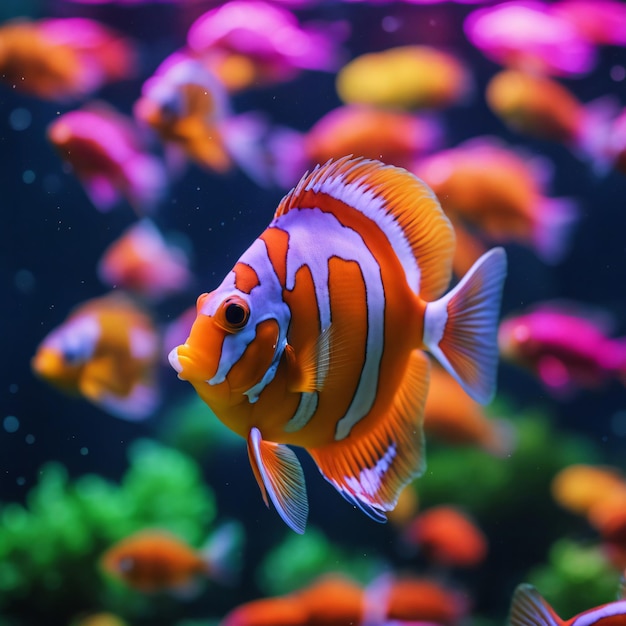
(155, 560)
(105, 152)
(527, 35)
(395, 137)
(107, 350)
(189, 108)
(142, 261)
(251, 43)
(529, 608)
(602, 22)
(499, 192)
(316, 338)
(564, 346)
(63, 59)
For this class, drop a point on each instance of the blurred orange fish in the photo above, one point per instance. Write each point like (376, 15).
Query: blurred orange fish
(334, 600)
(491, 188)
(61, 59)
(143, 262)
(446, 536)
(105, 152)
(155, 560)
(542, 107)
(99, 619)
(107, 350)
(392, 136)
(407, 77)
(451, 416)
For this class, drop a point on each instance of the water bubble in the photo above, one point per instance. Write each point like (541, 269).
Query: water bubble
(29, 439)
(84, 451)
(28, 177)
(618, 73)
(10, 423)
(24, 280)
(20, 118)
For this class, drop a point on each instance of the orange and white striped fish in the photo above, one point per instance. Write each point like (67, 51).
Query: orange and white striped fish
(316, 336)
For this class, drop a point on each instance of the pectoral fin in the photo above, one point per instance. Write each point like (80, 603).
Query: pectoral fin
(279, 475)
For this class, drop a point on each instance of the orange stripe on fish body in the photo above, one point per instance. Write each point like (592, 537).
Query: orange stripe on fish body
(321, 345)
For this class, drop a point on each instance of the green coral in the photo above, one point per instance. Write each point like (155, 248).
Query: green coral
(49, 548)
(576, 578)
(299, 559)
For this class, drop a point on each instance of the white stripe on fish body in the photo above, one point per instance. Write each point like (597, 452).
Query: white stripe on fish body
(592, 617)
(305, 411)
(374, 207)
(265, 302)
(315, 237)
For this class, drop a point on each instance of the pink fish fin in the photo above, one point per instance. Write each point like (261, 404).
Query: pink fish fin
(528, 608)
(460, 329)
(279, 475)
(555, 374)
(594, 137)
(244, 139)
(147, 182)
(371, 466)
(222, 553)
(103, 194)
(287, 156)
(556, 219)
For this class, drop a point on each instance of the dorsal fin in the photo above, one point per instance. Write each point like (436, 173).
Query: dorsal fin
(403, 206)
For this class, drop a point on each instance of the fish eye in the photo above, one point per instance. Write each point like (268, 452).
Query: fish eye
(236, 313)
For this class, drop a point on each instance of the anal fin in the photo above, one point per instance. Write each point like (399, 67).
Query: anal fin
(279, 476)
(371, 470)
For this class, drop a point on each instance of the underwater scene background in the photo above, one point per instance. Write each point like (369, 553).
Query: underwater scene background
(76, 480)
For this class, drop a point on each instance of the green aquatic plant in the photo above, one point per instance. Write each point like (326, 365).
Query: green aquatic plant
(51, 545)
(300, 559)
(577, 577)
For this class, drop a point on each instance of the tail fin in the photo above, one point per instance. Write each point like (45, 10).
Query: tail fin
(528, 608)
(461, 328)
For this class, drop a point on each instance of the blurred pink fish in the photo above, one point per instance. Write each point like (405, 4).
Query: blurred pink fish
(250, 43)
(189, 108)
(63, 59)
(104, 150)
(563, 347)
(602, 22)
(143, 262)
(527, 35)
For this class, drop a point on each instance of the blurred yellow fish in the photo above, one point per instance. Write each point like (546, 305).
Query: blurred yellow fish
(106, 350)
(408, 77)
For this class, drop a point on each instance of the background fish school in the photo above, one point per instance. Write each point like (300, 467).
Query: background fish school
(52, 241)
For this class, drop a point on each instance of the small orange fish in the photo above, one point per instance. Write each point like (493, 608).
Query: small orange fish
(155, 560)
(104, 150)
(107, 350)
(316, 338)
(446, 536)
(540, 106)
(491, 188)
(406, 77)
(61, 59)
(143, 262)
(451, 416)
